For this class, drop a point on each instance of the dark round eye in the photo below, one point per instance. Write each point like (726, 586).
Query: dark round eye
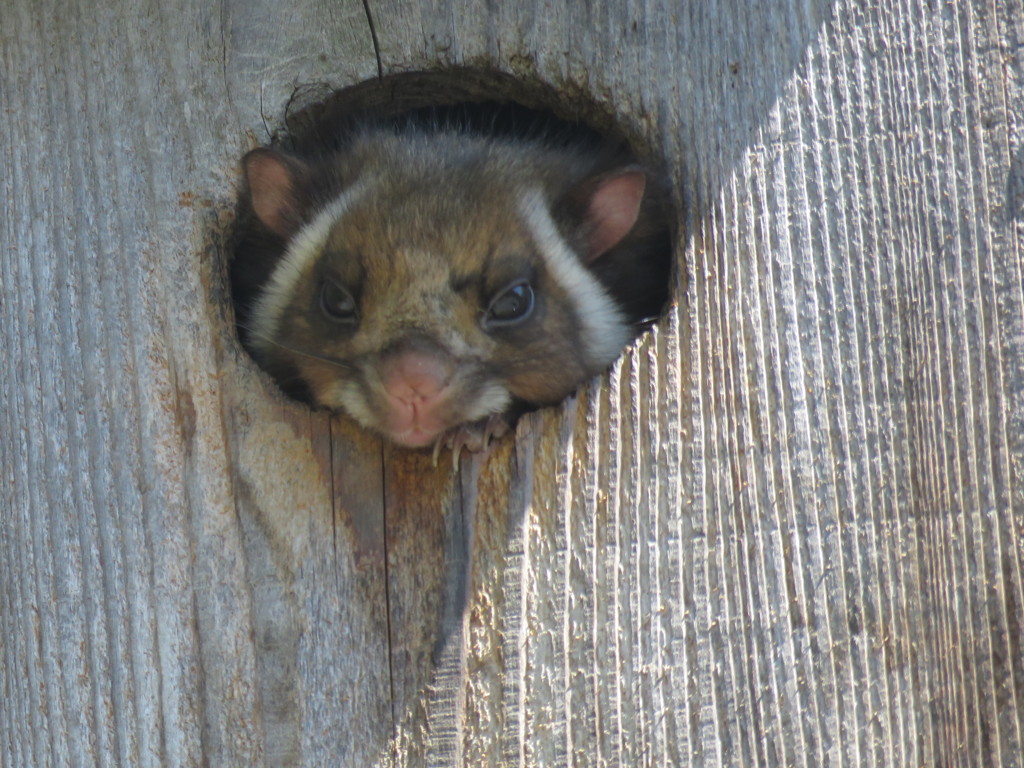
(337, 303)
(511, 305)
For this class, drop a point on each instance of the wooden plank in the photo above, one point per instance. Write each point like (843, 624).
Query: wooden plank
(787, 528)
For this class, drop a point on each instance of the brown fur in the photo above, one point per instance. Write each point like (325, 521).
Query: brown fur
(434, 238)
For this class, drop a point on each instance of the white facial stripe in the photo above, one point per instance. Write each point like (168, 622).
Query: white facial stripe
(603, 325)
(304, 249)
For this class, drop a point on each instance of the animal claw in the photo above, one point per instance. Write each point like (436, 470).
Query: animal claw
(476, 437)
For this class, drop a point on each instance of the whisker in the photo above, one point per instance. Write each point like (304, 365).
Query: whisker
(312, 355)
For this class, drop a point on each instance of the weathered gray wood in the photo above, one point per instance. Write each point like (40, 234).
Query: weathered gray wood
(786, 529)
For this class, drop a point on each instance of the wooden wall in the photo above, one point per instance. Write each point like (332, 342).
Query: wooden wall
(786, 529)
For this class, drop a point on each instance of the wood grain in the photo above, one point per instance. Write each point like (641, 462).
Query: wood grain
(785, 529)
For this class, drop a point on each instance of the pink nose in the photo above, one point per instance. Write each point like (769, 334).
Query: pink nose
(415, 377)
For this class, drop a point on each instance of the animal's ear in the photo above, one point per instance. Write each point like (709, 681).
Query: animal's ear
(273, 180)
(609, 205)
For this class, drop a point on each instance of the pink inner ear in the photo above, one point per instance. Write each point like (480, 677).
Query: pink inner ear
(272, 189)
(613, 210)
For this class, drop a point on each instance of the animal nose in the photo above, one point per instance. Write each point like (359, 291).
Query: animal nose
(416, 370)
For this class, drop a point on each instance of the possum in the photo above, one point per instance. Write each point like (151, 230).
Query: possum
(436, 283)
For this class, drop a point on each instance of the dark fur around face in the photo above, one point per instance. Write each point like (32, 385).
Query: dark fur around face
(423, 231)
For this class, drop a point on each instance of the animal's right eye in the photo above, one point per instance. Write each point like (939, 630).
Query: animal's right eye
(337, 303)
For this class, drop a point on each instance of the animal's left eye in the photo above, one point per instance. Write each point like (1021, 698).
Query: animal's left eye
(512, 305)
